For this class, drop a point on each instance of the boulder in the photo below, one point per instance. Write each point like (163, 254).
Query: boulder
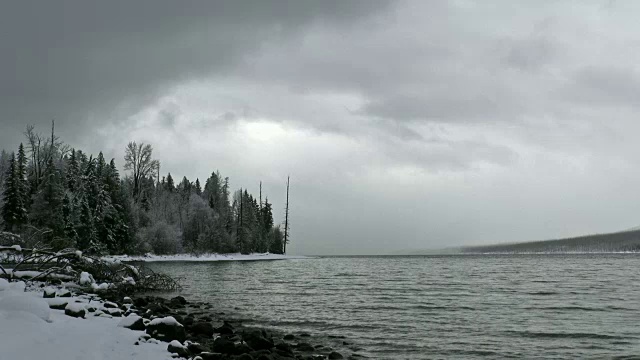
(188, 321)
(264, 357)
(133, 322)
(243, 348)
(179, 300)
(49, 293)
(282, 354)
(166, 329)
(335, 356)
(202, 328)
(175, 347)
(58, 303)
(64, 293)
(114, 312)
(196, 348)
(75, 310)
(140, 302)
(257, 341)
(127, 300)
(244, 357)
(258, 354)
(110, 305)
(284, 347)
(211, 356)
(224, 346)
(305, 347)
(289, 337)
(225, 329)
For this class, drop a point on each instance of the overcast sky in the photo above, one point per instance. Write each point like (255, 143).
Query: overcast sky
(404, 125)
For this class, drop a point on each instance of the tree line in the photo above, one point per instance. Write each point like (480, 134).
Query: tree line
(73, 199)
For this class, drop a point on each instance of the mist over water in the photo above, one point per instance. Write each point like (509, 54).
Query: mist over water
(524, 306)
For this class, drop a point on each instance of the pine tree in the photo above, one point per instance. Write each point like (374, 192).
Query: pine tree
(11, 196)
(276, 240)
(198, 189)
(23, 188)
(101, 167)
(73, 172)
(47, 206)
(170, 186)
(87, 238)
(123, 221)
(266, 216)
(70, 217)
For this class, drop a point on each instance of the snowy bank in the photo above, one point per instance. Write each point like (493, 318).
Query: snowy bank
(203, 257)
(30, 330)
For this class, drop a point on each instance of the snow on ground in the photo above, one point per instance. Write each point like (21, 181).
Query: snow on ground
(26, 335)
(203, 257)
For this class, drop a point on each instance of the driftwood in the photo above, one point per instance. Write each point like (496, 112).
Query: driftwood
(43, 264)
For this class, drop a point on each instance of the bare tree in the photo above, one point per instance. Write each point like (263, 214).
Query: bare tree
(286, 220)
(138, 159)
(41, 149)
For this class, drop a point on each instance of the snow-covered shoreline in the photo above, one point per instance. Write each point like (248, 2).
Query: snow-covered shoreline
(203, 257)
(29, 329)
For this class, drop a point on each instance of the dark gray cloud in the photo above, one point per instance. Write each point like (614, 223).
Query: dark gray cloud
(71, 60)
(409, 124)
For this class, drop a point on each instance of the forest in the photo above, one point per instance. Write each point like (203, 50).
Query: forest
(623, 241)
(61, 197)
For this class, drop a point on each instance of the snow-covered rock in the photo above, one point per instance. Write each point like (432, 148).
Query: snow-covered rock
(24, 335)
(103, 286)
(63, 293)
(75, 309)
(20, 302)
(86, 278)
(133, 322)
(57, 303)
(166, 329)
(175, 347)
(49, 292)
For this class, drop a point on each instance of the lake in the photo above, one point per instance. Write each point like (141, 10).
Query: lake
(417, 307)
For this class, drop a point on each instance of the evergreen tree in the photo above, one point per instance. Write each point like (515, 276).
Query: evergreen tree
(73, 172)
(266, 215)
(23, 188)
(47, 206)
(170, 186)
(87, 238)
(83, 200)
(276, 241)
(11, 197)
(70, 218)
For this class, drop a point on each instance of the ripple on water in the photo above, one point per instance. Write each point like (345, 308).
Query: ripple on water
(532, 306)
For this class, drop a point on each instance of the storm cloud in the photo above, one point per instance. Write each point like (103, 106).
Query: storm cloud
(403, 124)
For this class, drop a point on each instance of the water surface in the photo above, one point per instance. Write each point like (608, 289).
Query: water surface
(503, 306)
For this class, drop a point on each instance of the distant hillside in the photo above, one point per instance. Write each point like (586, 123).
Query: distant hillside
(624, 241)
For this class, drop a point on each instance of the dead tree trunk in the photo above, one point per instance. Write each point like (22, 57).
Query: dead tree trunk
(286, 220)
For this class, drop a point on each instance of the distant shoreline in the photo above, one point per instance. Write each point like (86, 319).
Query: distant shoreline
(202, 257)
